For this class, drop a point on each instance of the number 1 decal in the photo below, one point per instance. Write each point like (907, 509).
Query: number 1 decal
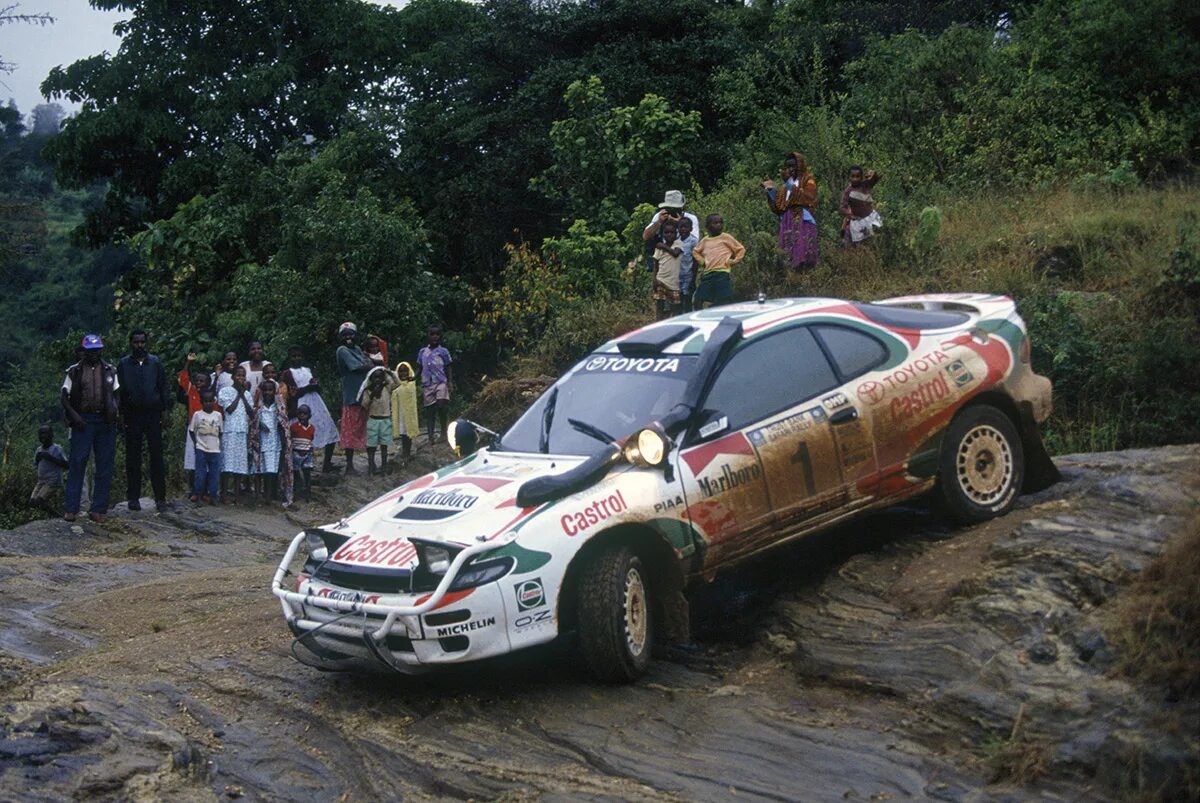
(802, 457)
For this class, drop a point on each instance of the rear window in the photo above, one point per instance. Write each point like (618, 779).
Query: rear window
(908, 318)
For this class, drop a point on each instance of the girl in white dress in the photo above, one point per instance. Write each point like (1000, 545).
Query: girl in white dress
(304, 389)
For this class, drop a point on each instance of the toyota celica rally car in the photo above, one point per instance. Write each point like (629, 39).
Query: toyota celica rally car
(665, 456)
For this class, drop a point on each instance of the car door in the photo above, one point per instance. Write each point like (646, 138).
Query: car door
(763, 443)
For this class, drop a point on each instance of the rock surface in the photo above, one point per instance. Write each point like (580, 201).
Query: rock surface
(894, 658)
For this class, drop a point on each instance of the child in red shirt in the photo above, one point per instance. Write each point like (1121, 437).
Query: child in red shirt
(303, 433)
(193, 383)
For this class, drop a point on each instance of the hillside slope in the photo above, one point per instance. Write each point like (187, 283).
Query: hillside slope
(896, 658)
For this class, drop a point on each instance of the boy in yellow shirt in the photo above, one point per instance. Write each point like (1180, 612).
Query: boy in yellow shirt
(714, 256)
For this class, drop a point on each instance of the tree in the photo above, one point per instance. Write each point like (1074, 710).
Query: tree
(608, 158)
(192, 79)
(10, 14)
(47, 120)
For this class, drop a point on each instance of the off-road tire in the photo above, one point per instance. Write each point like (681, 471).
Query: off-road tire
(616, 629)
(982, 465)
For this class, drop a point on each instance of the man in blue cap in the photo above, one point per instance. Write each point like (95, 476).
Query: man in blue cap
(90, 406)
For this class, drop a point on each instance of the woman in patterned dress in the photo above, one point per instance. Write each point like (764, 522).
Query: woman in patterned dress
(235, 402)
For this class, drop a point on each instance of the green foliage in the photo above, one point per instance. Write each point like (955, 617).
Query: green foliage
(1183, 272)
(607, 158)
(924, 238)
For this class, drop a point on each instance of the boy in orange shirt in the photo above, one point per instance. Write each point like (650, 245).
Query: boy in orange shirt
(714, 256)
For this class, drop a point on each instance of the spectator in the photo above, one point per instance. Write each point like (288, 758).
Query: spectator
(193, 383)
(433, 361)
(353, 365)
(254, 365)
(271, 446)
(270, 372)
(375, 396)
(688, 238)
(49, 461)
(375, 347)
(667, 256)
(89, 401)
(716, 255)
(302, 385)
(222, 376)
(405, 422)
(145, 404)
(205, 430)
(793, 202)
(302, 448)
(239, 411)
(860, 221)
(670, 209)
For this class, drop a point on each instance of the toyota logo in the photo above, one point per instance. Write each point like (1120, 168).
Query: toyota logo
(870, 391)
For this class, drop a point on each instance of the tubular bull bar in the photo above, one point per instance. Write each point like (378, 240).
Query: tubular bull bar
(373, 639)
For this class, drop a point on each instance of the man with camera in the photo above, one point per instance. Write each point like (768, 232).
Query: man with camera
(670, 209)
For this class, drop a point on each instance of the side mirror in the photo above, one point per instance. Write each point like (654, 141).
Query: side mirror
(463, 436)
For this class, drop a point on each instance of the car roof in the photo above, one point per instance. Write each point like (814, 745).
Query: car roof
(756, 317)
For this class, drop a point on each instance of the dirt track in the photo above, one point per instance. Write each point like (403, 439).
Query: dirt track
(146, 659)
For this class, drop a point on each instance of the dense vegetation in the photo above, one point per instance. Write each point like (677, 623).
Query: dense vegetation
(282, 165)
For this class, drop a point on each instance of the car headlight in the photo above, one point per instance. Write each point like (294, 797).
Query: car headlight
(319, 543)
(485, 571)
(436, 559)
(647, 448)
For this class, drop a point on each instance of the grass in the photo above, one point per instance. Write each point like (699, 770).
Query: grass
(1155, 627)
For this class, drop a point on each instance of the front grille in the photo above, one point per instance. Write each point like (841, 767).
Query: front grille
(451, 618)
(390, 581)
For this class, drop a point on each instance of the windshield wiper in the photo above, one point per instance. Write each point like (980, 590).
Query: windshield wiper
(588, 429)
(547, 420)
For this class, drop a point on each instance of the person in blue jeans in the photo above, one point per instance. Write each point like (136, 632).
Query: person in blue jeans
(90, 406)
(205, 431)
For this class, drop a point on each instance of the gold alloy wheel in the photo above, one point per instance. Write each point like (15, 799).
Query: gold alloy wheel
(636, 615)
(985, 465)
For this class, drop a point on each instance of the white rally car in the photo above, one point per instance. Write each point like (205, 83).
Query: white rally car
(663, 457)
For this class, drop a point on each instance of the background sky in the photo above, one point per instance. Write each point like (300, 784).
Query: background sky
(78, 31)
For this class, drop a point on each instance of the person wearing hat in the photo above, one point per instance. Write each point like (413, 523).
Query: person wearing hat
(670, 209)
(91, 408)
(353, 366)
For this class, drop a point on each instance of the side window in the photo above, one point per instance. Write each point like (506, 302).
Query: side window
(769, 375)
(854, 352)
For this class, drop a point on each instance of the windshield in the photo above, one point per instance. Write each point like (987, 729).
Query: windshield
(605, 393)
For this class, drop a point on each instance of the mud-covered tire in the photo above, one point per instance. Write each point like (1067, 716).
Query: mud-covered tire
(982, 465)
(616, 628)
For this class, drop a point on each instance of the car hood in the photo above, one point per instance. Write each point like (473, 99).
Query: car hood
(472, 500)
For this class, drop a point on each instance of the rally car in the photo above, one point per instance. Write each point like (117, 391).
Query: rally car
(666, 455)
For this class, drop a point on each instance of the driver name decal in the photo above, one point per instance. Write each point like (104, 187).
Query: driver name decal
(436, 505)
(645, 365)
(593, 514)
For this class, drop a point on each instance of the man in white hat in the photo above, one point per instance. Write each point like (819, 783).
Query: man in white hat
(670, 209)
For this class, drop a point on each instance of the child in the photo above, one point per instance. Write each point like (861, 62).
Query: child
(433, 361)
(375, 347)
(302, 385)
(49, 461)
(270, 446)
(193, 384)
(204, 429)
(223, 376)
(687, 266)
(666, 278)
(860, 221)
(375, 396)
(239, 410)
(254, 366)
(405, 423)
(715, 255)
(303, 433)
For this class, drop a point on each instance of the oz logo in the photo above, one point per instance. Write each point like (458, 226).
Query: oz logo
(530, 594)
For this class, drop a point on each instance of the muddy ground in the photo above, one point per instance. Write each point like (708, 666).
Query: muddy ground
(145, 659)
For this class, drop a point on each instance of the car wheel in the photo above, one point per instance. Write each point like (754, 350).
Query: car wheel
(616, 629)
(982, 464)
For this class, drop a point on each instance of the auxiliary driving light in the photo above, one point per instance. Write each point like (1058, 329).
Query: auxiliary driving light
(647, 448)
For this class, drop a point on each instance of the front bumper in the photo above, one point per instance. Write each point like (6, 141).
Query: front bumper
(407, 633)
